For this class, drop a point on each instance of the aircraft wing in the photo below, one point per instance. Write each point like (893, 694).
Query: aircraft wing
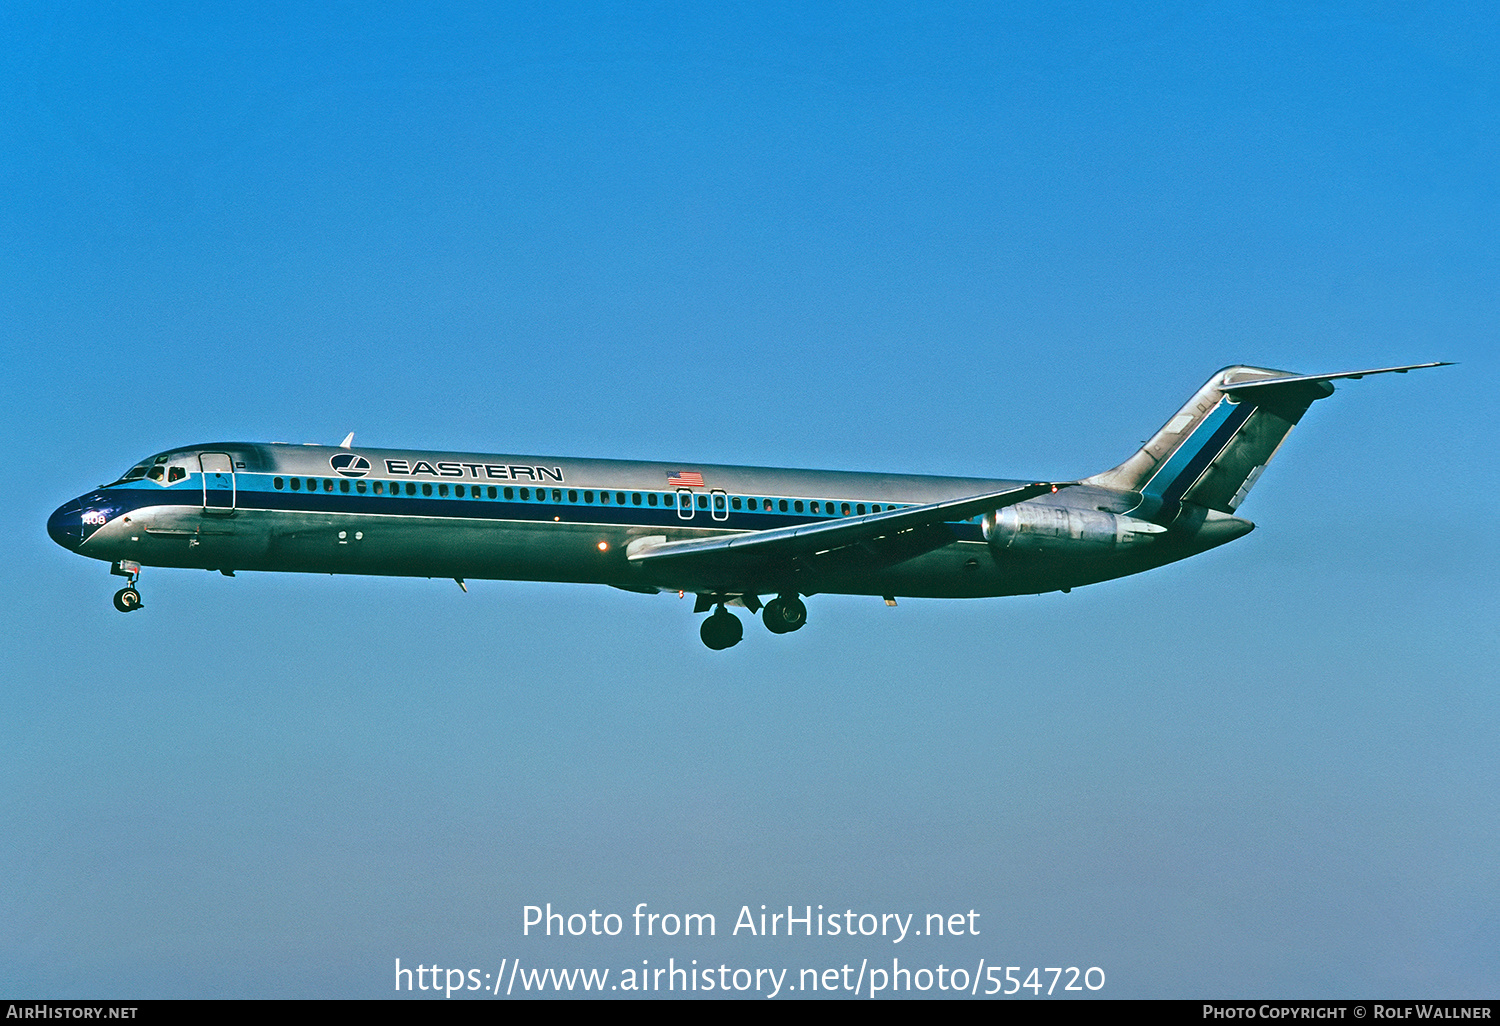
(877, 539)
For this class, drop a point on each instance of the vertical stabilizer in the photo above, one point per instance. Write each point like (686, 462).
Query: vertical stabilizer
(1214, 449)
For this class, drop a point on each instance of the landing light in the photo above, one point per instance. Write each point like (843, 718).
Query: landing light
(604, 546)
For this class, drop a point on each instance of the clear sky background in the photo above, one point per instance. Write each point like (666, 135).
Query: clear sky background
(1003, 240)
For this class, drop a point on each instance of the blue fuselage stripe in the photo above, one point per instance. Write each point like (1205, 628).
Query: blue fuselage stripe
(252, 493)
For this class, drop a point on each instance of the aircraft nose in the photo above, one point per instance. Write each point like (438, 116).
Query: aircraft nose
(65, 525)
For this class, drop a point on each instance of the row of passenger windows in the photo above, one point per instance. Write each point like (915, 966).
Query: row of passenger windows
(670, 500)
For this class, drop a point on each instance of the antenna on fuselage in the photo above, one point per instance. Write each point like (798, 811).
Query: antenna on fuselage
(348, 441)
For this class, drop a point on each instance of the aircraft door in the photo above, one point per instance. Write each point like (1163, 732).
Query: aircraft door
(218, 482)
(685, 503)
(720, 504)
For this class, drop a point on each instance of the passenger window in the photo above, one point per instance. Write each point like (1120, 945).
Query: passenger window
(510, 493)
(703, 502)
(427, 489)
(379, 488)
(411, 488)
(328, 484)
(797, 506)
(572, 495)
(754, 505)
(860, 509)
(813, 506)
(875, 508)
(344, 487)
(651, 498)
(276, 483)
(495, 492)
(635, 498)
(359, 486)
(619, 498)
(442, 490)
(557, 495)
(845, 508)
(719, 503)
(782, 505)
(458, 491)
(526, 494)
(603, 497)
(296, 484)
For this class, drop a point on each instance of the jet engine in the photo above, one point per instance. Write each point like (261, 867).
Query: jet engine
(1031, 528)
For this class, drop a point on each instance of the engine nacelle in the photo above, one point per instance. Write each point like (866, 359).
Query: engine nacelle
(1030, 528)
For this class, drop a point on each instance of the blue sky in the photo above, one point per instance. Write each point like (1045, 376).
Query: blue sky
(919, 238)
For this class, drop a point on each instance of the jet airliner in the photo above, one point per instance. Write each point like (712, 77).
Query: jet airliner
(758, 538)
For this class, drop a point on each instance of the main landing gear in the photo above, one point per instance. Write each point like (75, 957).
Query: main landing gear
(723, 629)
(785, 614)
(127, 599)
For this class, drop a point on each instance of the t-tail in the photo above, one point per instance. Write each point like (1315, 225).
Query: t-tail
(1212, 452)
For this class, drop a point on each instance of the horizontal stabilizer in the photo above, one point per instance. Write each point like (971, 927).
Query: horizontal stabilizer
(1249, 388)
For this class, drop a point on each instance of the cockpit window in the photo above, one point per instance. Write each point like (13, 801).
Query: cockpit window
(154, 468)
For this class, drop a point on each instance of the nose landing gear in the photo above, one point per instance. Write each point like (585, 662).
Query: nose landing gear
(127, 599)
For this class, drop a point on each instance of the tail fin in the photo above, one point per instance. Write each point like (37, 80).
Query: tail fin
(1215, 449)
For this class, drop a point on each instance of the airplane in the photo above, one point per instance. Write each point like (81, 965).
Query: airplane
(732, 536)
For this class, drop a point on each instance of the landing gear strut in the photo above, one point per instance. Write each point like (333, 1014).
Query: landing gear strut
(127, 599)
(721, 630)
(784, 614)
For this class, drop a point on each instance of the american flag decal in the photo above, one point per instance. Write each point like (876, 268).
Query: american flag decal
(684, 479)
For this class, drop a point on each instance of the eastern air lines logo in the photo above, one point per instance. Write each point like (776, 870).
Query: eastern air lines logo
(349, 464)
